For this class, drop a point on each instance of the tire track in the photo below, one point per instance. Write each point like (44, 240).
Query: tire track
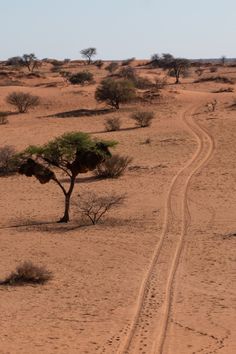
(155, 314)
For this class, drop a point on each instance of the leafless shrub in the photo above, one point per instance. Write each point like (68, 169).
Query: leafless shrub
(143, 118)
(113, 167)
(113, 66)
(127, 61)
(3, 118)
(7, 164)
(22, 101)
(94, 206)
(27, 273)
(112, 124)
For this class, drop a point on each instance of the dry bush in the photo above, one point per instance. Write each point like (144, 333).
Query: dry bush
(3, 118)
(7, 164)
(27, 273)
(22, 101)
(94, 206)
(113, 167)
(221, 90)
(112, 124)
(143, 118)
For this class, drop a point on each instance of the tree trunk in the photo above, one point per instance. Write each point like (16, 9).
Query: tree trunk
(66, 216)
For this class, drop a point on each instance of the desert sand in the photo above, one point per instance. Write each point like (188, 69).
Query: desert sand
(156, 275)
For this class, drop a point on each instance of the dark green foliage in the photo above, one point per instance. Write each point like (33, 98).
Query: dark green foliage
(81, 78)
(114, 92)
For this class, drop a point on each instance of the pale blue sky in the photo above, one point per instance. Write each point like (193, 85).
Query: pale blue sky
(119, 29)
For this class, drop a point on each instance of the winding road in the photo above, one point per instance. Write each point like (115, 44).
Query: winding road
(148, 333)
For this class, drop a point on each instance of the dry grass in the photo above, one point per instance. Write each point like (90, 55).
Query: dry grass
(113, 167)
(28, 273)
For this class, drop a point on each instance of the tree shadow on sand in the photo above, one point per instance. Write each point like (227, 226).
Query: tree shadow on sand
(82, 113)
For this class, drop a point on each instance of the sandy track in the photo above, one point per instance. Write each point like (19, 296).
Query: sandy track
(149, 329)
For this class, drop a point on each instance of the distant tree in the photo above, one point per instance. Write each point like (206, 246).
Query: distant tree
(30, 61)
(88, 53)
(114, 92)
(223, 60)
(72, 153)
(14, 61)
(22, 101)
(175, 66)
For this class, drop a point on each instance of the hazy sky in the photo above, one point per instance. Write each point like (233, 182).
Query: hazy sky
(119, 29)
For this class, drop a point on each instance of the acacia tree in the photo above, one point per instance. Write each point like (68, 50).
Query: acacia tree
(71, 153)
(30, 61)
(88, 53)
(175, 66)
(114, 92)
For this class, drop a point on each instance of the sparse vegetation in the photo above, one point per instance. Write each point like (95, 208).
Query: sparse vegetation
(94, 207)
(112, 124)
(143, 118)
(81, 78)
(115, 92)
(22, 101)
(219, 79)
(113, 167)
(28, 273)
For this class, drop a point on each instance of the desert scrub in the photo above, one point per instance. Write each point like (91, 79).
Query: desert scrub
(112, 124)
(28, 273)
(143, 118)
(113, 167)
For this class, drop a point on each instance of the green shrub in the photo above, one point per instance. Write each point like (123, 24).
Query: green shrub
(81, 78)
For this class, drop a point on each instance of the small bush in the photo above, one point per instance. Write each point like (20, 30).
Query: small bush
(94, 207)
(112, 124)
(143, 118)
(113, 167)
(81, 78)
(22, 101)
(99, 64)
(3, 118)
(7, 163)
(27, 273)
(113, 66)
